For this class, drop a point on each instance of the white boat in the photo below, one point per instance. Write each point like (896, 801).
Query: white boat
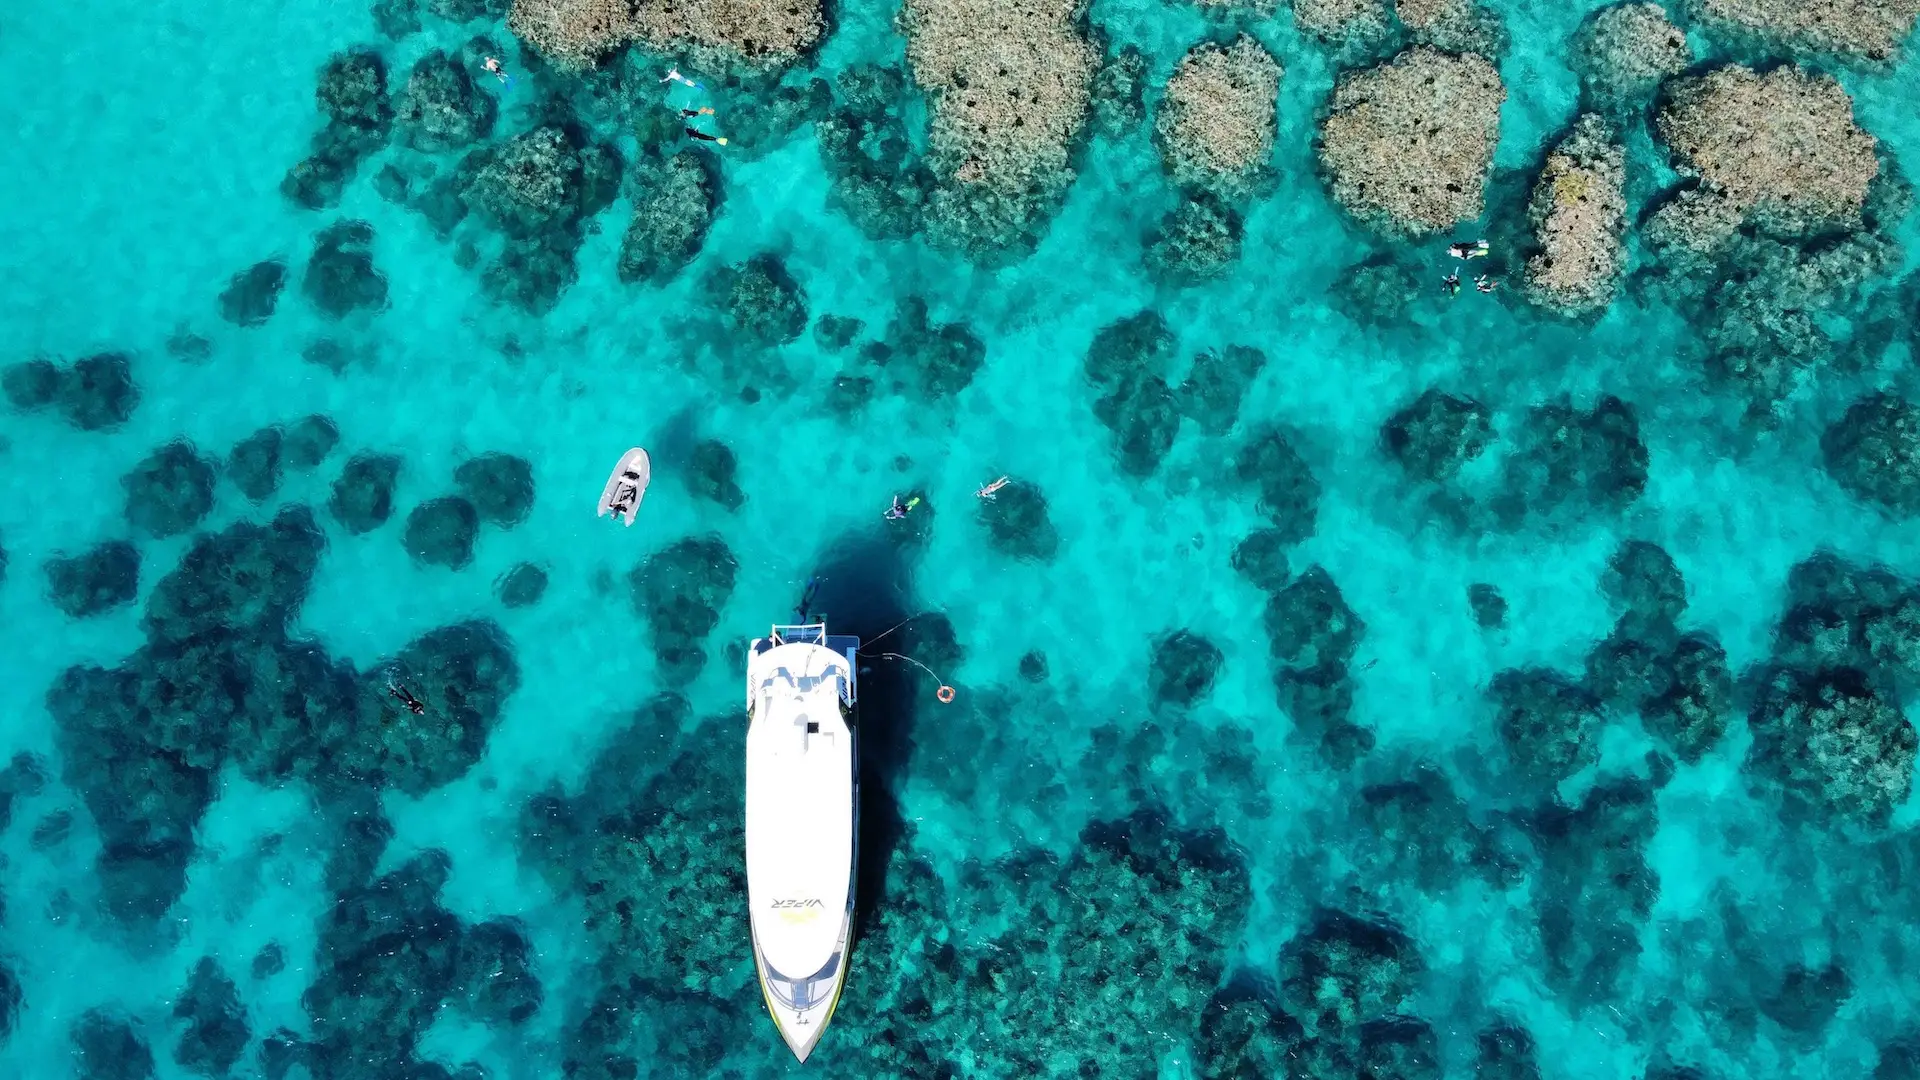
(803, 816)
(627, 486)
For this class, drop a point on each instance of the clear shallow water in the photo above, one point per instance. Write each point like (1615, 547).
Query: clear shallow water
(151, 140)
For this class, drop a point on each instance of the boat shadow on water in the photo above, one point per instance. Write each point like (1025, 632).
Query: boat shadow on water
(866, 589)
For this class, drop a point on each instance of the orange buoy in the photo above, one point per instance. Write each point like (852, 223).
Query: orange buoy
(945, 695)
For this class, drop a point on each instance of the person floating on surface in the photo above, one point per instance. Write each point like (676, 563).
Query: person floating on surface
(988, 491)
(899, 509)
(1486, 284)
(673, 75)
(1464, 250)
(499, 72)
(1452, 283)
(704, 137)
(702, 111)
(405, 697)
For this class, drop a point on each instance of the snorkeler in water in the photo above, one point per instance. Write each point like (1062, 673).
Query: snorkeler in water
(405, 697)
(900, 509)
(673, 76)
(988, 491)
(1486, 284)
(704, 137)
(801, 611)
(1452, 283)
(1464, 250)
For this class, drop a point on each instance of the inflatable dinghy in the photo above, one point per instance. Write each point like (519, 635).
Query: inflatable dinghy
(627, 486)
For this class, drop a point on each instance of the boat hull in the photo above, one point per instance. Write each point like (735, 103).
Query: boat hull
(802, 825)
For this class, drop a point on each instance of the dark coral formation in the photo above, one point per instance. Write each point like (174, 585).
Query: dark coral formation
(1437, 434)
(1589, 459)
(1682, 687)
(1874, 452)
(169, 491)
(1261, 558)
(1147, 959)
(1345, 973)
(106, 1047)
(1217, 384)
(1417, 838)
(1018, 523)
(494, 974)
(341, 278)
(1595, 887)
(94, 394)
(522, 586)
(441, 109)
(1642, 580)
(352, 96)
(308, 441)
(218, 682)
(652, 820)
(1507, 1053)
(537, 191)
(1127, 363)
(464, 673)
(926, 360)
(1289, 494)
(250, 298)
(31, 384)
(762, 305)
(254, 464)
(392, 951)
(362, 497)
(1183, 668)
(499, 486)
(1835, 743)
(713, 468)
(680, 591)
(674, 202)
(1310, 623)
(1313, 636)
(97, 580)
(12, 997)
(442, 532)
(1198, 240)
(1549, 725)
(215, 1032)
(1488, 606)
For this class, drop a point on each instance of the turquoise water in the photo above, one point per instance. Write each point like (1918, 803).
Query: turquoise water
(1082, 873)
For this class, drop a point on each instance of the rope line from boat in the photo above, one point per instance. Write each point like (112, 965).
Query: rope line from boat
(944, 694)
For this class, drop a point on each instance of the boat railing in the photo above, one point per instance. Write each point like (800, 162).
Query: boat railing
(803, 633)
(814, 634)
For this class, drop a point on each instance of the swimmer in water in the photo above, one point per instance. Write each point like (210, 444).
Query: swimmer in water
(405, 697)
(899, 509)
(800, 611)
(673, 76)
(988, 491)
(1463, 250)
(493, 65)
(689, 113)
(1452, 283)
(1486, 284)
(704, 137)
